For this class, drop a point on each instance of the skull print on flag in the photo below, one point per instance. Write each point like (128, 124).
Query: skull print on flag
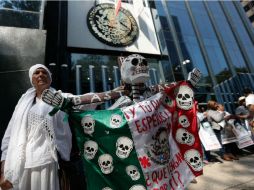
(184, 97)
(194, 159)
(88, 124)
(124, 146)
(185, 130)
(106, 163)
(90, 149)
(108, 150)
(133, 172)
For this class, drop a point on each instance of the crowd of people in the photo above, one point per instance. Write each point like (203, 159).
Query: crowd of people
(223, 123)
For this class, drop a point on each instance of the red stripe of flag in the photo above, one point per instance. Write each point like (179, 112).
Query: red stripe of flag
(117, 6)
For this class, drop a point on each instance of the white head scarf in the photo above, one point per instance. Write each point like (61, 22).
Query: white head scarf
(37, 66)
(249, 99)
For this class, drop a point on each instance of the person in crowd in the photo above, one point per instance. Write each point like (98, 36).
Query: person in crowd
(241, 111)
(230, 148)
(33, 139)
(202, 117)
(217, 121)
(250, 106)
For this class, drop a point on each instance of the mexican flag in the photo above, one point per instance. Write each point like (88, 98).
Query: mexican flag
(137, 148)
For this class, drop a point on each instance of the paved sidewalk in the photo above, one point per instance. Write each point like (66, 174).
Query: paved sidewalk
(229, 175)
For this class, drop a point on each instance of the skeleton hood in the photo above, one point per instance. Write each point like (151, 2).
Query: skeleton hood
(134, 69)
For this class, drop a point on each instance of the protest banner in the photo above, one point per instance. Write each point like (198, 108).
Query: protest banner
(208, 137)
(227, 134)
(243, 136)
(134, 148)
(183, 107)
(161, 160)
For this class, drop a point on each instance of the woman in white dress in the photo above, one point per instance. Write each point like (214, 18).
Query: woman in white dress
(33, 138)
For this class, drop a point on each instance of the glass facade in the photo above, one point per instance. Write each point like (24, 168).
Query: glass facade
(227, 36)
(241, 31)
(210, 40)
(24, 14)
(212, 35)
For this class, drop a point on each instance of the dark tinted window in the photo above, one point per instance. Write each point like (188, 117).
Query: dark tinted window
(188, 40)
(33, 6)
(227, 36)
(241, 30)
(23, 14)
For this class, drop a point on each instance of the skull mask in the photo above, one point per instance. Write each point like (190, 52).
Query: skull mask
(183, 120)
(193, 158)
(115, 120)
(88, 124)
(184, 137)
(76, 100)
(124, 146)
(106, 163)
(134, 69)
(184, 97)
(106, 188)
(133, 172)
(90, 149)
(137, 187)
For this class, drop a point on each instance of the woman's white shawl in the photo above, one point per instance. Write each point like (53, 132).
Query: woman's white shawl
(14, 141)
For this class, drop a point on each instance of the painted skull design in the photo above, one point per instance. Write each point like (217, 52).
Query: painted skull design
(124, 146)
(184, 137)
(183, 120)
(106, 188)
(116, 120)
(184, 97)
(193, 158)
(90, 149)
(88, 124)
(137, 187)
(133, 172)
(76, 100)
(106, 163)
(134, 69)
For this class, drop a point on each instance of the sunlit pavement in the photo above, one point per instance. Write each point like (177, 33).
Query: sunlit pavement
(229, 175)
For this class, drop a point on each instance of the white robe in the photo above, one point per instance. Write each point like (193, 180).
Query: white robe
(30, 145)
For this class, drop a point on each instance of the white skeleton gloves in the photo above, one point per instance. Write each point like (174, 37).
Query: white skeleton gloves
(54, 99)
(194, 77)
(57, 100)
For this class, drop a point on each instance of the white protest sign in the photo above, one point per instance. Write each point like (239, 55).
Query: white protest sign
(163, 165)
(243, 136)
(208, 137)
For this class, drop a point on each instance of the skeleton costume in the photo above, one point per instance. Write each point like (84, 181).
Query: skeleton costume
(30, 143)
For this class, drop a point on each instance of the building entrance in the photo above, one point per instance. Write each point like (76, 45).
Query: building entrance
(97, 73)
